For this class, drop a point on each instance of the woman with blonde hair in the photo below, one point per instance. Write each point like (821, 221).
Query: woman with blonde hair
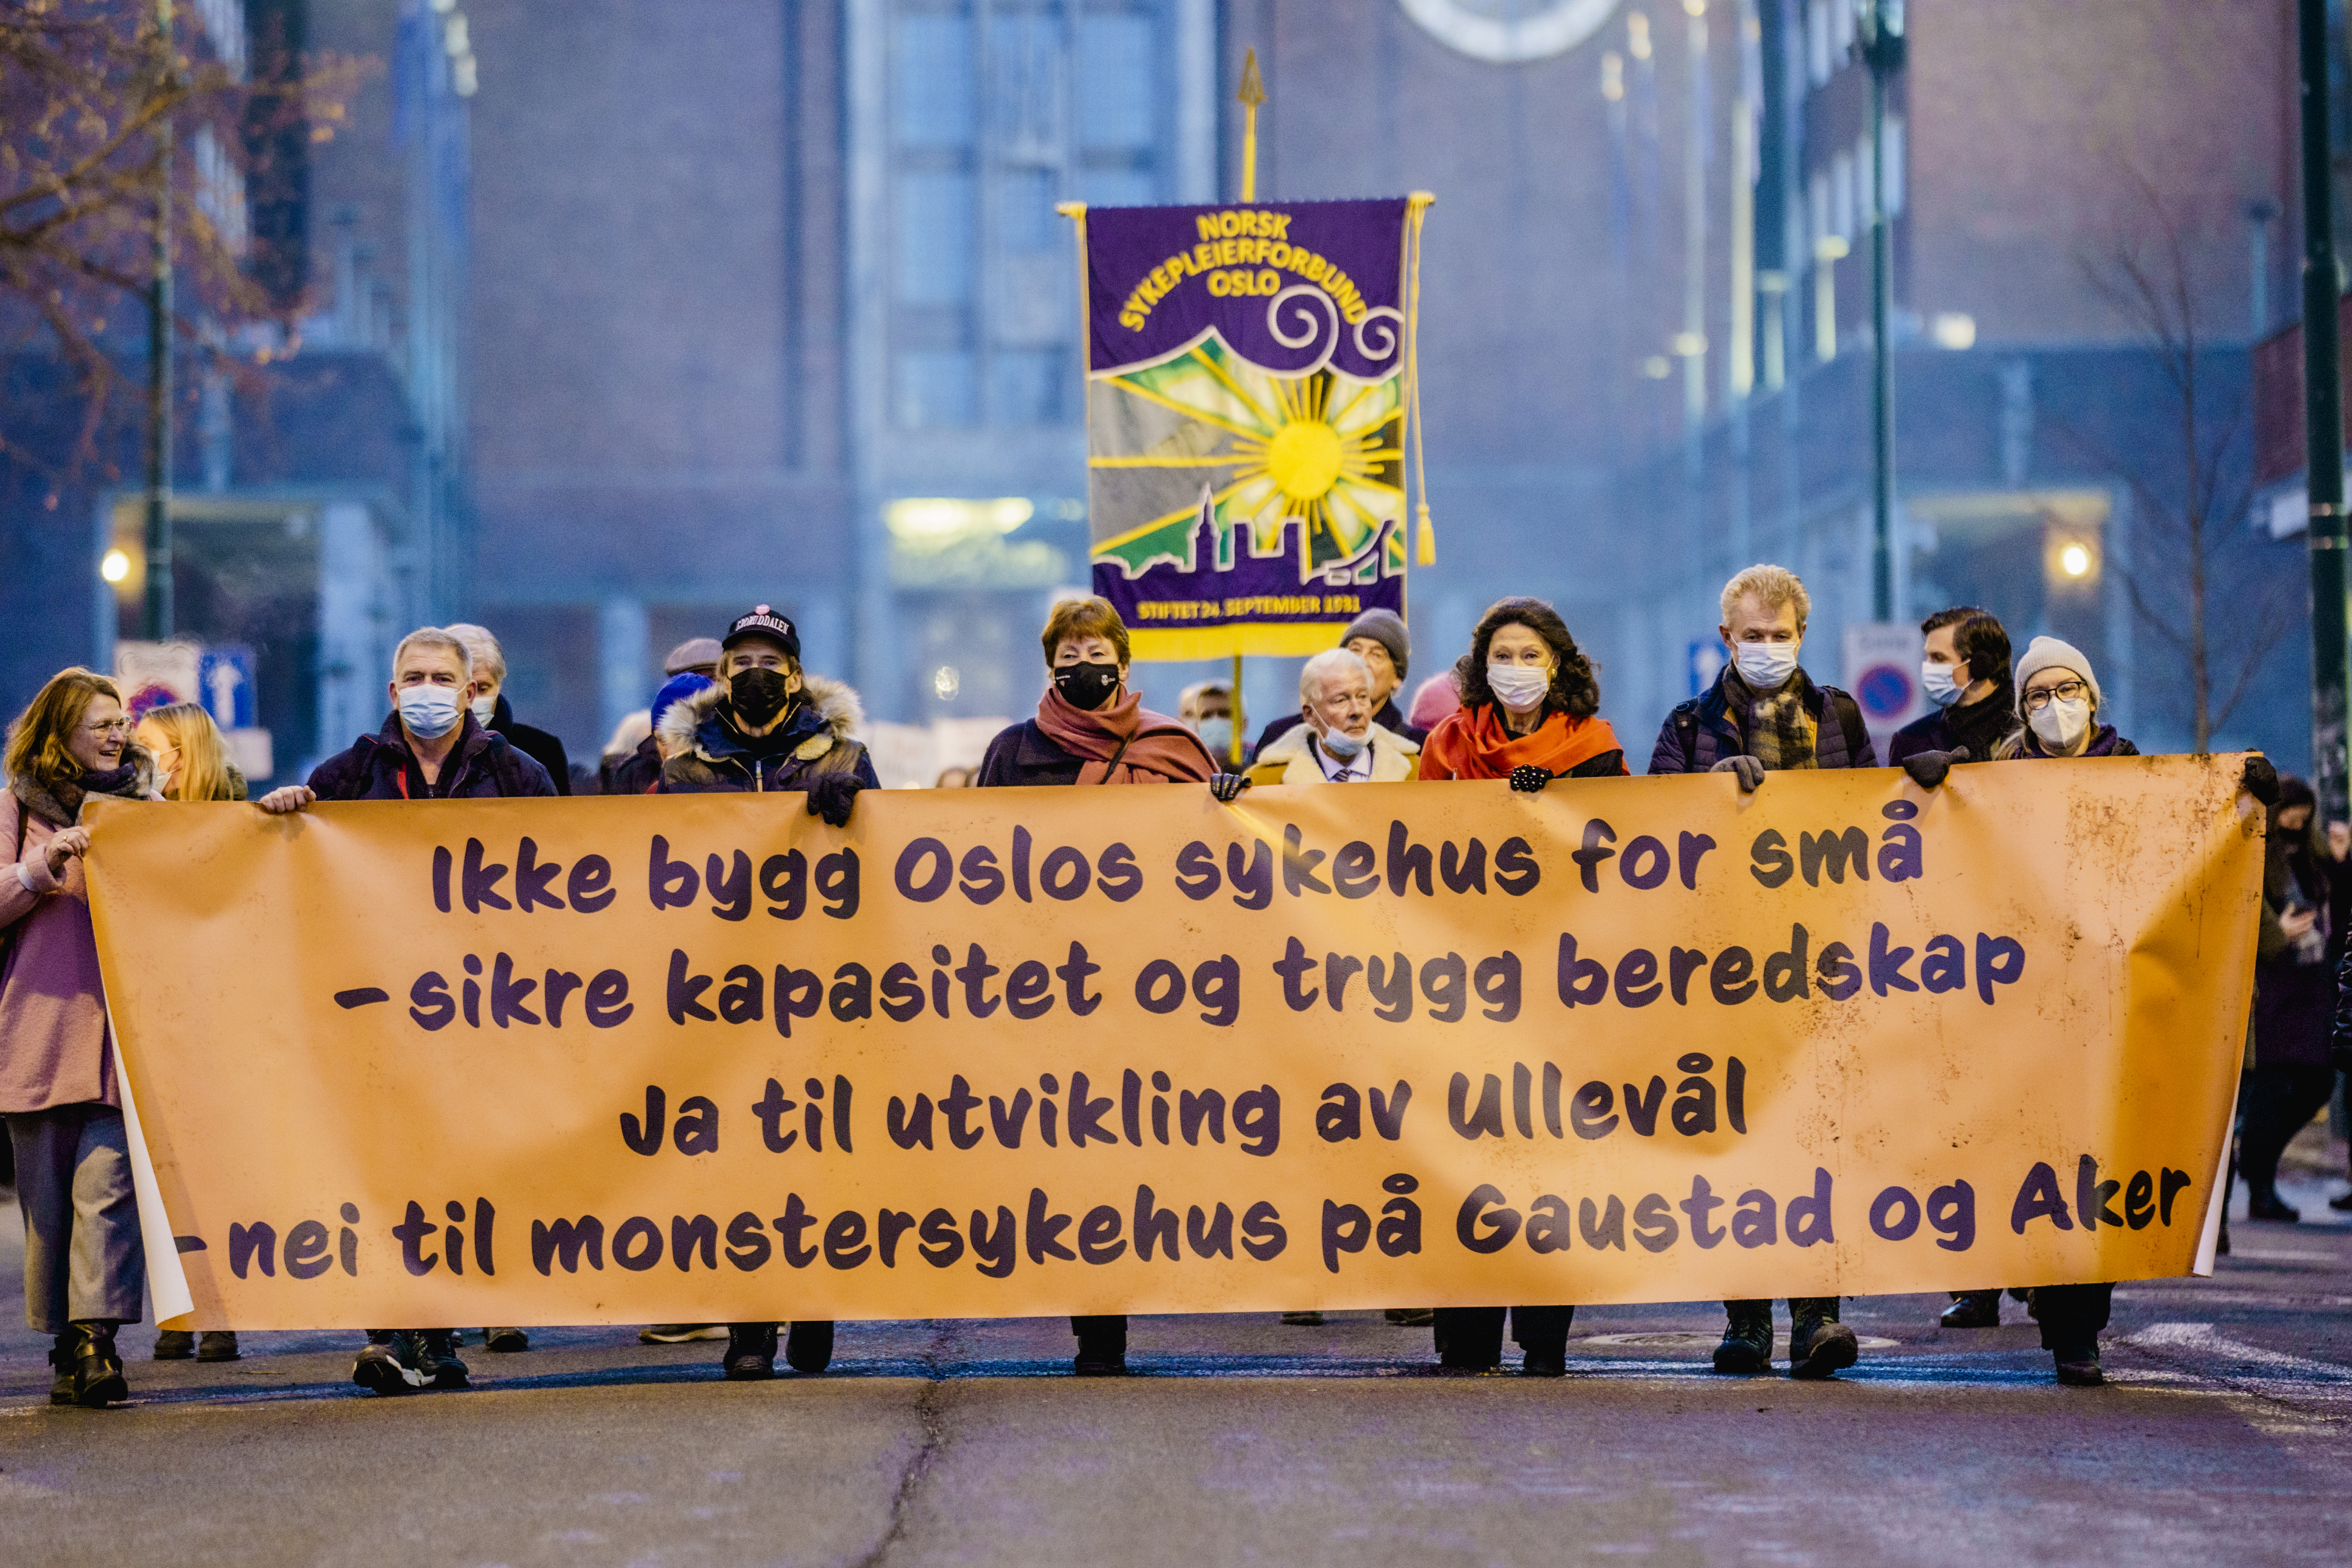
(191, 765)
(191, 756)
(84, 1269)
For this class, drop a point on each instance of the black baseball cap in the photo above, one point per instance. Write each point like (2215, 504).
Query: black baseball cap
(762, 621)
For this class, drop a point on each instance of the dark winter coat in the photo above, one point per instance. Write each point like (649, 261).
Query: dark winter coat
(1704, 730)
(637, 773)
(1981, 726)
(714, 758)
(1023, 754)
(484, 765)
(2292, 995)
(2026, 746)
(1390, 718)
(536, 744)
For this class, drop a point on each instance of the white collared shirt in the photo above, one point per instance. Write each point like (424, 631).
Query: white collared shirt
(1356, 769)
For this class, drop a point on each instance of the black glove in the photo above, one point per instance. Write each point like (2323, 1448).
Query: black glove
(1227, 787)
(1750, 771)
(832, 795)
(1928, 768)
(1528, 780)
(2260, 780)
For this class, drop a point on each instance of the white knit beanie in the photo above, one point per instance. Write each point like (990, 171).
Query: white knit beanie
(2048, 653)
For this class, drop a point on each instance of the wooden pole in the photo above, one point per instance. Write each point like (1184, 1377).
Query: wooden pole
(1252, 94)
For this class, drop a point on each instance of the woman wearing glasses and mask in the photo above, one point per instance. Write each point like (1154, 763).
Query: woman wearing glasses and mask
(84, 1270)
(2058, 698)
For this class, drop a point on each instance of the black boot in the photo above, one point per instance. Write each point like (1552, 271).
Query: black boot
(1973, 1309)
(1102, 1346)
(2078, 1366)
(2263, 1203)
(98, 1379)
(61, 1360)
(436, 1358)
(387, 1362)
(751, 1351)
(1819, 1344)
(1542, 1334)
(175, 1344)
(1747, 1346)
(219, 1344)
(808, 1346)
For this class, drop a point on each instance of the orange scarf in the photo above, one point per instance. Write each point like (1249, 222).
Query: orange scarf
(1474, 743)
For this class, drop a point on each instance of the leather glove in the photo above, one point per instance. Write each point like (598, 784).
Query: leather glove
(832, 795)
(1528, 780)
(1227, 787)
(1928, 768)
(2260, 780)
(1750, 771)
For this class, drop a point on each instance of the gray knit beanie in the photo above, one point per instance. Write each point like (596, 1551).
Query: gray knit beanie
(1386, 628)
(2049, 653)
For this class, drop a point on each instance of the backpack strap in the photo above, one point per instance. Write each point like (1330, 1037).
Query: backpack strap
(1686, 731)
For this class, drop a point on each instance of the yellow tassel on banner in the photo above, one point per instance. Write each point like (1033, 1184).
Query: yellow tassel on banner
(1425, 548)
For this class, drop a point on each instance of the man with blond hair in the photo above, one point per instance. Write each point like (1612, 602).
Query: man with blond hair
(1763, 715)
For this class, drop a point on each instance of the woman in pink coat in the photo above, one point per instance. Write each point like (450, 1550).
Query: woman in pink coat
(84, 1269)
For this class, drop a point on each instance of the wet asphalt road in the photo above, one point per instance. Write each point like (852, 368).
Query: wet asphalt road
(2225, 1436)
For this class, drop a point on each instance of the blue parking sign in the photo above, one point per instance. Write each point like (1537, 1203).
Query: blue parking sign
(224, 685)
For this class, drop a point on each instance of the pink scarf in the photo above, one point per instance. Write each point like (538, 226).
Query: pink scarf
(1124, 743)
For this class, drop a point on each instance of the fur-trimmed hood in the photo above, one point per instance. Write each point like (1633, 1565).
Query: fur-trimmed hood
(838, 712)
(1287, 758)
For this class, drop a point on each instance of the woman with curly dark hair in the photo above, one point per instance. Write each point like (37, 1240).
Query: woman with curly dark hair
(1528, 701)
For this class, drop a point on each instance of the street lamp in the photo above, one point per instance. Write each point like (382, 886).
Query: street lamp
(1879, 43)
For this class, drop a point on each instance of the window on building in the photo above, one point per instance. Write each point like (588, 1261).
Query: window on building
(1842, 22)
(1817, 205)
(1842, 194)
(1000, 111)
(1895, 172)
(1817, 41)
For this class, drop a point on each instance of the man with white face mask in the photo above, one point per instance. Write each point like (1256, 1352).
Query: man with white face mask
(1765, 715)
(431, 748)
(1335, 741)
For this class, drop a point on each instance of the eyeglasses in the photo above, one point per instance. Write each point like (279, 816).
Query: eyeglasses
(111, 727)
(2065, 691)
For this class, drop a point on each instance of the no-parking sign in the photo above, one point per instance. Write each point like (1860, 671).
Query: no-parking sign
(1882, 671)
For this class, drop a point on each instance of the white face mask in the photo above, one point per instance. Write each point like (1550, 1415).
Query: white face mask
(2062, 723)
(1343, 745)
(485, 710)
(428, 711)
(1519, 687)
(1217, 735)
(1767, 666)
(1942, 690)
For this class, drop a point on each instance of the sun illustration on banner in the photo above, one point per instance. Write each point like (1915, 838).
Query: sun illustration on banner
(1323, 448)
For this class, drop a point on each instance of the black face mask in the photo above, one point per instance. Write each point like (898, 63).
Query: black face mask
(1086, 686)
(757, 695)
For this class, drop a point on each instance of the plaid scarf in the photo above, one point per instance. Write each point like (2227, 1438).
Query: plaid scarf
(1779, 730)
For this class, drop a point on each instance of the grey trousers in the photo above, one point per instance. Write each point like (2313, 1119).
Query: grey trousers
(83, 1260)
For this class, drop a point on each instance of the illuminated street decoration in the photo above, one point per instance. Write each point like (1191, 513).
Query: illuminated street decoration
(1507, 31)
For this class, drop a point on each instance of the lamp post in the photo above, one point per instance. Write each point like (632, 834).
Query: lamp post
(2323, 408)
(1879, 43)
(159, 357)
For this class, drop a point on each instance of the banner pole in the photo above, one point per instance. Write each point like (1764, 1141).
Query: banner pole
(1252, 94)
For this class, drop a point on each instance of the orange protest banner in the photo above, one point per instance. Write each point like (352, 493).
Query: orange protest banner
(988, 1053)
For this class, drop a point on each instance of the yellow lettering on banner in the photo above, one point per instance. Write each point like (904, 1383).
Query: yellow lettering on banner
(988, 1053)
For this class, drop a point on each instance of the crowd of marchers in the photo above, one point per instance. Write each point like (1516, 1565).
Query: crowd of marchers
(739, 712)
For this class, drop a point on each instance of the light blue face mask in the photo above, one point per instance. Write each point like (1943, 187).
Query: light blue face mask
(428, 711)
(1942, 690)
(1217, 735)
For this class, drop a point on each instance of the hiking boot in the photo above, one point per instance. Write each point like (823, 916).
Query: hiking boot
(387, 1362)
(1410, 1317)
(680, 1334)
(808, 1347)
(751, 1351)
(2079, 1367)
(1303, 1319)
(438, 1360)
(1819, 1344)
(175, 1344)
(219, 1344)
(1972, 1309)
(1747, 1346)
(98, 1380)
(61, 1359)
(505, 1342)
